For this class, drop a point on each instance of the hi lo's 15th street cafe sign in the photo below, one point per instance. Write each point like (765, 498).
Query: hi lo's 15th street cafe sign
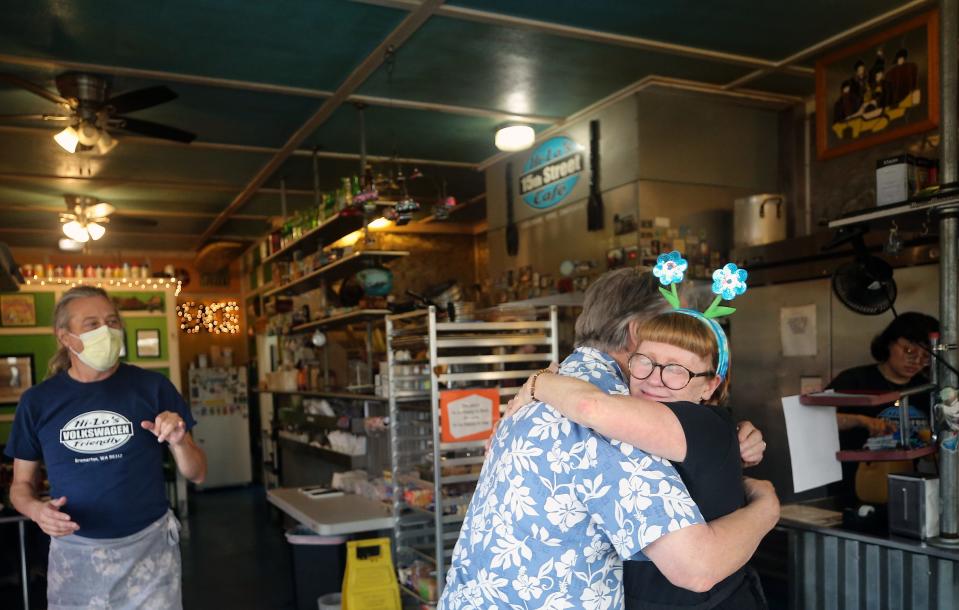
(551, 172)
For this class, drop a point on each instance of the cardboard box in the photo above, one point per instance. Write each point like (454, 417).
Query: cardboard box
(901, 177)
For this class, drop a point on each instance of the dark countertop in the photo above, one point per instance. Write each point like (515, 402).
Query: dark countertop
(894, 542)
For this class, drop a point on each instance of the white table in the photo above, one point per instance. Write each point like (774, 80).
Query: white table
(345, 514)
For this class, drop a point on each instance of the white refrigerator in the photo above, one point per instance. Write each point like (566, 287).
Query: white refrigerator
(219, 402)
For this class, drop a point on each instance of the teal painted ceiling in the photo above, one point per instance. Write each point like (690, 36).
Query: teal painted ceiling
(249, 74)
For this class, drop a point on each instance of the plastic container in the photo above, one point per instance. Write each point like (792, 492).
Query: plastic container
(330, 601)
(318, 566)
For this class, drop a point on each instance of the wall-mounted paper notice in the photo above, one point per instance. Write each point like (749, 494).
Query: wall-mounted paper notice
(797, 330)
(813, 442)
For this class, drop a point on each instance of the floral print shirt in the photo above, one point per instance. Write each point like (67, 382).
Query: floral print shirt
(558, 508)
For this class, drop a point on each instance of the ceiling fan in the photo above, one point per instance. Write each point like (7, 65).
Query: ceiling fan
(86, 216)
(90, 111)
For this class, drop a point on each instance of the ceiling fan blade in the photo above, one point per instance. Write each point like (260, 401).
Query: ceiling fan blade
(155, 130)
(131, 222)
(35, 117)
(65, 217)
(34, 88)
(132, 101)
(100, 210)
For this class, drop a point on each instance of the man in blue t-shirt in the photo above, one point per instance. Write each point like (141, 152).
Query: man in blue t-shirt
(102, 429)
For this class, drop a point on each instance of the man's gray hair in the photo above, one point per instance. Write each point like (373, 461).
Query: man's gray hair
(61, 320)
(616, 299)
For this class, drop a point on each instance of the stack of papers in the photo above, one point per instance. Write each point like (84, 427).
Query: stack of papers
(319, 493)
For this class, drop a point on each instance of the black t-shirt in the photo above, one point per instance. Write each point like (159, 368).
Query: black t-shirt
(870, 378)
(712, 472)
(866, 378)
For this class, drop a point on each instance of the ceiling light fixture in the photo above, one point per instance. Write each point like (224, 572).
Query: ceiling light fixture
(95, 230)
(68, 139)
(88, 133)
(380, 223)
(69, 245)
(514, 137)
(106, 143)
(76, 231)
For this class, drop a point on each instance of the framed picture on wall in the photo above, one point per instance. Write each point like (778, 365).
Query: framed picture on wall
(148, 343)
(18, 310)
(882, 88)
(16, 375)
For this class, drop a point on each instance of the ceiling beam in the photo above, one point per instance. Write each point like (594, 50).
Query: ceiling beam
(111, 230)
(159, 184)
(367, 67)
(242, 85)
(569, 31)
(244, 148)
(159, 212)
(822, 45)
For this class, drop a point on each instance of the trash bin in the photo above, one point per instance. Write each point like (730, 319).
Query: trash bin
(318, 565)
(330, 601)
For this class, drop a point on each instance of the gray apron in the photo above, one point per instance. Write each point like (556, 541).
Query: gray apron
(136, 572)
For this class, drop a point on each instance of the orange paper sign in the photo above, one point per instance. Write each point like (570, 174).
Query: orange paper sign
(468, 415)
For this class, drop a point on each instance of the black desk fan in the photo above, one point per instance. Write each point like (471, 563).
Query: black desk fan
(865, 284)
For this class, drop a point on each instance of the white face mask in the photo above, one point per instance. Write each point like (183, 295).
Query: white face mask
(101, 347)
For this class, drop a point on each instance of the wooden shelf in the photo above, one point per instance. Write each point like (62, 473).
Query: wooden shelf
(949, 198)
(327, 232)
(338, 269)
(325, 422)
(334, 457)
(349, 317)
(890, 455)
(849, 399)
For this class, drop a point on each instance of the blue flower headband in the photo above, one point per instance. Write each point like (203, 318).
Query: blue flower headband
(728, 283)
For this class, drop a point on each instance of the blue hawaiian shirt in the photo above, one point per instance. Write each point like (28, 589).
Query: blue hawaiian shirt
(558, 508)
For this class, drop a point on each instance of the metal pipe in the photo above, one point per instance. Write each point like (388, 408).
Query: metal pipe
(949, 248)
(807, 174)
(25, 583)
(56, 65)
(570, 31)
(317, 203)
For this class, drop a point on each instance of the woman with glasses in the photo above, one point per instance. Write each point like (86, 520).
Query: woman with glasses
(902, 358)
(673, 412)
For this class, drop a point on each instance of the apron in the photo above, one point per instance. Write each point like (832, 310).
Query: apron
(745, 593)
(137, 572)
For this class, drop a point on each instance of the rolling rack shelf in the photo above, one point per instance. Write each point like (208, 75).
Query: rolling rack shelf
(448, 355)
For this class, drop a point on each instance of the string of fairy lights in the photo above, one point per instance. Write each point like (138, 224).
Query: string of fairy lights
(219, 318)
(159, 283)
